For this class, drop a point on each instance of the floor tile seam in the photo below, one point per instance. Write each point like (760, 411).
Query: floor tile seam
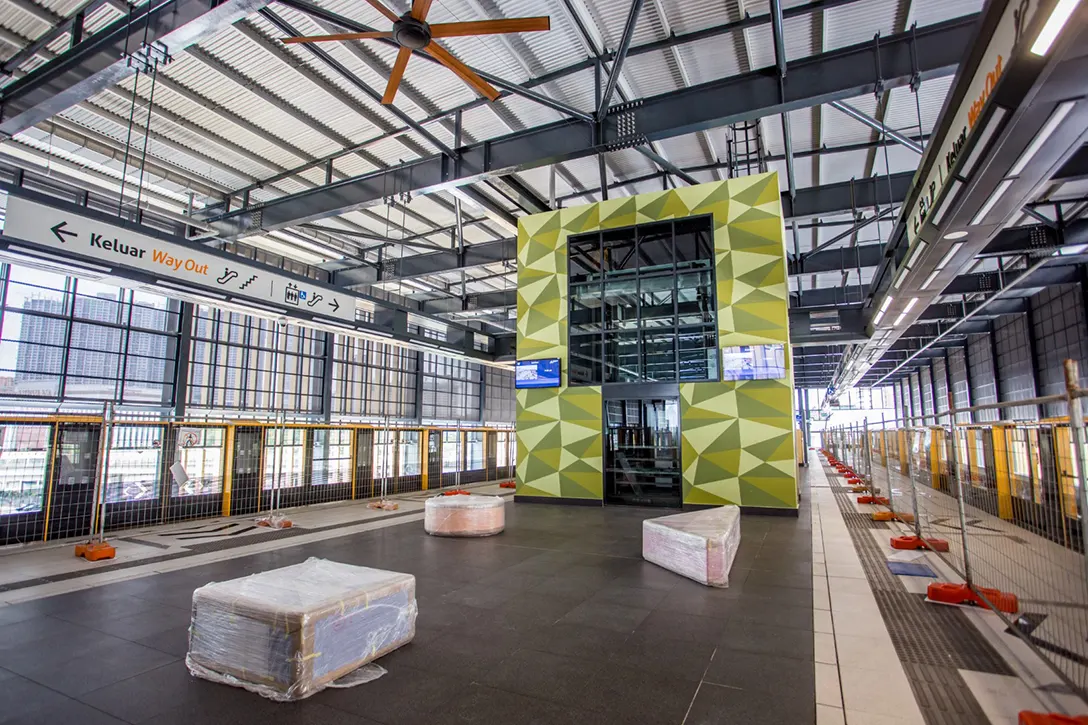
(130, 677)
(195, 550)
(827, 586)
(77, 698)
(702, 681)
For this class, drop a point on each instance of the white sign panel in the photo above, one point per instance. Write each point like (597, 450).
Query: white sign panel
(189, 437)
(1015, 18)
(168, 261)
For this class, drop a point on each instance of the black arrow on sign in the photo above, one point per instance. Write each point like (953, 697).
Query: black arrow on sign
(334, 304)
(59, 233)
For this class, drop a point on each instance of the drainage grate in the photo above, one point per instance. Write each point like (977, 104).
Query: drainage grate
(931, 634)
(943, 696)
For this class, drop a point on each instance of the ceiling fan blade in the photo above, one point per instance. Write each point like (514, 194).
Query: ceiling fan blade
(490, 27)
(396, 74)
(377, 5)
(337, 36)
(420, 8)
(467, 74)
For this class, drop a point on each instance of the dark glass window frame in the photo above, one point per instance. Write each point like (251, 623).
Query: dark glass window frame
(596, 342)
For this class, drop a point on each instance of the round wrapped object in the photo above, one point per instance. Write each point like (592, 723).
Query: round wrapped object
(469, 515)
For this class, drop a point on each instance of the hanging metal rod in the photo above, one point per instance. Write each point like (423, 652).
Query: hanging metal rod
(876, 125)
(858, 226)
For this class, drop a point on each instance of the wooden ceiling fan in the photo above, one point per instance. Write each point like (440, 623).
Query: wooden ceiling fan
(411, 31)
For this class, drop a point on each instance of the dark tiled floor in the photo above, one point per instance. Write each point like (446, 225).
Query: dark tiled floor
(558, 620)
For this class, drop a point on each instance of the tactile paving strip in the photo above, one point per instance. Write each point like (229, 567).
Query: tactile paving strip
(932, 641)
(931, 634)
(942, 695)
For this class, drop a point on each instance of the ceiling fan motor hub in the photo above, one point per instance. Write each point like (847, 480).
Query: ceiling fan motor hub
(411, 33)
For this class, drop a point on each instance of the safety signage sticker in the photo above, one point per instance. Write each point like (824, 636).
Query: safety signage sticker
(106, 243)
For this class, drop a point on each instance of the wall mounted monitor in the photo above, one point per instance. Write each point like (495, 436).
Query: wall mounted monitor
(754, 362)
(537, 373)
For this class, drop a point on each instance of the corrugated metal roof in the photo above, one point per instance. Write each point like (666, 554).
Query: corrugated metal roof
(244, 75)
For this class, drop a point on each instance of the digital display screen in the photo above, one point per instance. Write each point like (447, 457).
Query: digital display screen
(537, 373)
(754, 362)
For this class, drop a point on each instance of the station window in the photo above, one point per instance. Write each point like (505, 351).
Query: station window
(202, 458)
(451, 388)
(250, 363)
(474, 450)
(502, 449)
(24, 464)
(642, 305)
(332, 456)
(134, 462)
(284, 458)
(410, 456)
(373, 380)
(79, 340)
(384, 453)
(451, 451)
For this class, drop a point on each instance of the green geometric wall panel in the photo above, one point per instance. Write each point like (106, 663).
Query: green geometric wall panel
(737, 438)
(738, 443)
(560, 448)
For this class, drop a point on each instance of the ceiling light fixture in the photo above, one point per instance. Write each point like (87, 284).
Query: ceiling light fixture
(1059, 16)
(949, 255)
(1043, 136)
(918, 249)
(913, 301)
(983, 138)
(899, 320)
(992, 201)
(952, 236)
(929, 280)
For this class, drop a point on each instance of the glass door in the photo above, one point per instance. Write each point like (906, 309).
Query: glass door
(642, 454)
(245, 497)
(71, 503)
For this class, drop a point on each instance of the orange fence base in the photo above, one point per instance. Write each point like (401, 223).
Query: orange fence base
(508, 484)
(1050, 718)
(948, 593)
(913, 542)
(879, 500)
(96, 550)
(893, 516)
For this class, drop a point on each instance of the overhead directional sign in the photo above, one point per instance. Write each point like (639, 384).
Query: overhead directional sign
(171, 263)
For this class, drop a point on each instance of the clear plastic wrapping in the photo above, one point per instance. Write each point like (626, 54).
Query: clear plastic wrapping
(464, 515)
(288, 633)
(700, 545)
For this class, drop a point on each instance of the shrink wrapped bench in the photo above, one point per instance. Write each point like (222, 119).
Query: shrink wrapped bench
(700, 545)
(464, 515)
(288, 633)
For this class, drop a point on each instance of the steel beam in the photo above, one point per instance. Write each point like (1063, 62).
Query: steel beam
(819, 79)
(620, 57)
(833, 260)
(666, 165)
(817, 201)
(41, 44)
(98, 62)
